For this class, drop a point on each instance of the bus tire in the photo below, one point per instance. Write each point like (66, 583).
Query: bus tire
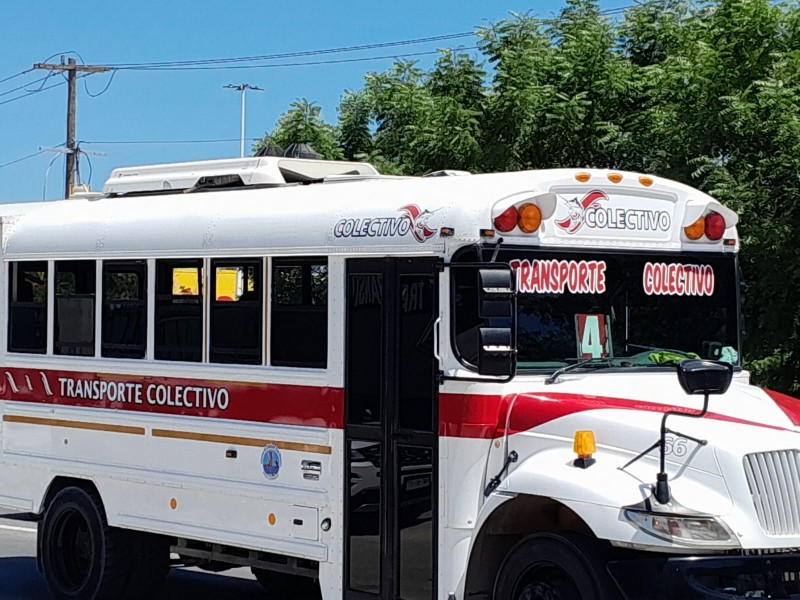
(284, 585)
(149, 566)
(82, 557)
(553, 567)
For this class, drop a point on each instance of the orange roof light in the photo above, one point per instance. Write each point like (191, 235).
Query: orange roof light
(530, 218)
(614, 177)
(583, 177)
(584, 446)
(646, 180)
(696, 230)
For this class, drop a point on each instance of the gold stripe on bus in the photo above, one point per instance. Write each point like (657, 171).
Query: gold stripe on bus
(236, 440)
(74, 424)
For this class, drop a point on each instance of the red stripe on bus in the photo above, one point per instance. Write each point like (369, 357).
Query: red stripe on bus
(285, 404)
(485, 416)
(479, 416)
(789, 405)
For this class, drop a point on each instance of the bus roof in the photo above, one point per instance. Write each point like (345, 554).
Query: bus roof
(362, 214)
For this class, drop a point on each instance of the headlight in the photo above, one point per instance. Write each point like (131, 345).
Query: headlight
(689, 530)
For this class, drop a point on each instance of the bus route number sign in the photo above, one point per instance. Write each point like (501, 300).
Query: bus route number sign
(592, 335)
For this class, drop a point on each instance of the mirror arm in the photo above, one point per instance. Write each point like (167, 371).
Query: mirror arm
(662, 491)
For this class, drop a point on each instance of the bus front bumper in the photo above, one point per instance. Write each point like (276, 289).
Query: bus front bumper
(709, 577)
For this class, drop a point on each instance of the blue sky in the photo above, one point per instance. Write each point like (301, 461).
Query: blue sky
(142, 106)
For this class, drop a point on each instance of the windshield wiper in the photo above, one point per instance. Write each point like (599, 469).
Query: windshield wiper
(582, 363)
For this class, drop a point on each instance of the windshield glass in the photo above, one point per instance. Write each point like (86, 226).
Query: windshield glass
(630, 310)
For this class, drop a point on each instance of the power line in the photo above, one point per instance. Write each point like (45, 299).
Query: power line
(13, 162)
(33, 92)
(340, 50)
(301, 64)
(25, 86)
(10, 77)
(155, 142)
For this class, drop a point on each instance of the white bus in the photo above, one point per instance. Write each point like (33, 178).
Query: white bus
(464, 387)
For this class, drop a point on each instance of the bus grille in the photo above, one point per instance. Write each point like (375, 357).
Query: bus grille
(774, 480)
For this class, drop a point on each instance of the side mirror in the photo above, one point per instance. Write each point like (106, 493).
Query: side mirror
(704, 376)
(496, 299)
(496, 354)
(495, 293)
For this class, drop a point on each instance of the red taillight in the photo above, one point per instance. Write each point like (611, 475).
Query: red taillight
(507, 220)
(715, 226)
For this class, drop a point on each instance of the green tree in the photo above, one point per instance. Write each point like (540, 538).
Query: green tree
(303, 123)
(354, 133)
(704, 93)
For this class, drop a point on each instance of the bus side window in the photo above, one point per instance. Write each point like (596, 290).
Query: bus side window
(237, 311)
(27, 315)
(299, 312)
(124, 309)
(179, 310)
(74, 310)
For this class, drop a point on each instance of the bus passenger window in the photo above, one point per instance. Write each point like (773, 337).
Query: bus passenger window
(236, 311)
(27, 316)
(299, 313)
(124, 332)
(179, 310)
(74, 311)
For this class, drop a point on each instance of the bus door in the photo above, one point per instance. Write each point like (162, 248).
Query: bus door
(391, 429)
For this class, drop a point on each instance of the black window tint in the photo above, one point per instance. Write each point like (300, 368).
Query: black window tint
(74, 310)
(179, 310)
(27, 317)
(236, 311)
(299, 319)
(124, 309)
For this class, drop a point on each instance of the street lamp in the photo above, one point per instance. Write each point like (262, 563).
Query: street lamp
(243, 90)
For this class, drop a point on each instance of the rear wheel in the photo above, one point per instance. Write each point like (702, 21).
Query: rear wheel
(284, 585)
(81, 556)
(553, 567)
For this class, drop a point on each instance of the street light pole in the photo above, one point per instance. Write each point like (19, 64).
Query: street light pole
(243, 90)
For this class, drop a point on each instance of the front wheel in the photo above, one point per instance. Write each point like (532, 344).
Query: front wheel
(552, 567)
(81, 556)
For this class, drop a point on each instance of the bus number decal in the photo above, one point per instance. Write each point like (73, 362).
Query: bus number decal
(592, 336)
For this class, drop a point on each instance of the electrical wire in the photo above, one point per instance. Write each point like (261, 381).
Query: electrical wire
(25, 86)
(105, 89)
(18, 160)
(10, 77)
(49, 87)
(156, 142)
(340, 50)
(300, 64)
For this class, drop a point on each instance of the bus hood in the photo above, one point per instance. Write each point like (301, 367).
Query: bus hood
(739, 462)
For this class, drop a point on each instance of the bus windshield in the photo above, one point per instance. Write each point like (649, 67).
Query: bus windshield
(625, 310)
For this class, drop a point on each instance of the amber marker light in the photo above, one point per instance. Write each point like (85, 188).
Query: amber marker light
(645, 180)
(696, 230)
(530, 218)
(584, 446)
(614, 177)
(583, 177)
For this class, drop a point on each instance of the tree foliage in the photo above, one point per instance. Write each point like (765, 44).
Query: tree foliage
(704, 93)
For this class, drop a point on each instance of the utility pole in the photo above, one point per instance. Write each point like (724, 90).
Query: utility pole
(71, 68)
(243, 90)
